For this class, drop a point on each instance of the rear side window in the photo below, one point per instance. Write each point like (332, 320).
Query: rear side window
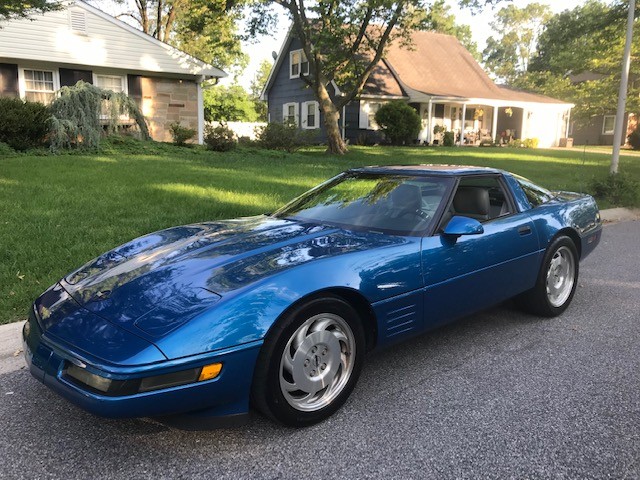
(535, 194)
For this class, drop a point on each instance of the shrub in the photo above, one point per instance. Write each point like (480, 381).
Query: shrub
(280, 136)
(220, 138)
(448, 139)
(6, 150)
(523, 143)
(618, 189)
(399, 122)
(634, 139)
(181, 134)
(76, 122)
(23, 125)
(487, 143)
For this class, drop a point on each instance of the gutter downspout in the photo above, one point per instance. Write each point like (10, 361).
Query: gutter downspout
(200, 110)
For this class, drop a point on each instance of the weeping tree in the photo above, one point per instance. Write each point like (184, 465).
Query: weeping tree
(81, 114)
(343, 41)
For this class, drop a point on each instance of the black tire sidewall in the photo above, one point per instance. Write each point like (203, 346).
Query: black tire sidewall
(267, 393)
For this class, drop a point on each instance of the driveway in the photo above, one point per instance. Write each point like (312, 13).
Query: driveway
(496, 395)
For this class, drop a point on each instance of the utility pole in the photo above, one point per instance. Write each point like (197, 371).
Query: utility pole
(622, 93)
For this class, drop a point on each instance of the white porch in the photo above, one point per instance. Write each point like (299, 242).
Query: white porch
(498, 121)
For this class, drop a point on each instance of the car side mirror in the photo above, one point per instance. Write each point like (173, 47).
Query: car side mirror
(463, 226)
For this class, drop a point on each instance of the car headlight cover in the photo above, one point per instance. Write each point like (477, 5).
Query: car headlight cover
(113, 387)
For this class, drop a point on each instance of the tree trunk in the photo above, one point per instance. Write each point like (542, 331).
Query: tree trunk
(335, 143)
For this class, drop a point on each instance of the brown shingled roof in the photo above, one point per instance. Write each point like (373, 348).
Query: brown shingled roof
(438, 64)
(382, 82)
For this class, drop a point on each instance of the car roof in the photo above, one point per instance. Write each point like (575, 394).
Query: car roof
(439, 170)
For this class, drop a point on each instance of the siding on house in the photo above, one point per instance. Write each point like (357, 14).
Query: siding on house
(590, 133)
(103, 44)
(284, 90)
(82, 43)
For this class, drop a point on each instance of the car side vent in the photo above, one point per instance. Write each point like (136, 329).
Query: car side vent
(401, 320)
(78, 21)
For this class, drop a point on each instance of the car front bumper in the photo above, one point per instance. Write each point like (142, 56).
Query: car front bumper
(226, 395)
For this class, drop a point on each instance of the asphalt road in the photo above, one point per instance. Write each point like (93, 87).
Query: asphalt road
(497, 395)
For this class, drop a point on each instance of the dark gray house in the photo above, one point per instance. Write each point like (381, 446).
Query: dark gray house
(598, 130)
(438, 77)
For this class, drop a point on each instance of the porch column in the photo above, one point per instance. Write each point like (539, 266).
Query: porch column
(525, 115)
(566, 135)
(494, 126)
(430, 117)
(464, 115)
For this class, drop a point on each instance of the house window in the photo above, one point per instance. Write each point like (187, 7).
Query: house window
(290, 113)
(608, 124)
(39, 86)
(368, 114)
(310, 115)
(298, 64)
(114, 83)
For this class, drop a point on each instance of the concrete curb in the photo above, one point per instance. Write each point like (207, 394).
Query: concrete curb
(11, 357)
(620, 215)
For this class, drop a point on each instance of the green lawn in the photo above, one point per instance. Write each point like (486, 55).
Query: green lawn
(60, 211)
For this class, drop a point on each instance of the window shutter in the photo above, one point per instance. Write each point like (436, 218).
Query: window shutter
(9, 79)
(363, 121)
(305, 112)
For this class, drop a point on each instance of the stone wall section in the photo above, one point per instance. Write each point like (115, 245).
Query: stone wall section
(166, 101)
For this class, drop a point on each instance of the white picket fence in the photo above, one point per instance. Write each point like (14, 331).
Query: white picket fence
(242, 129)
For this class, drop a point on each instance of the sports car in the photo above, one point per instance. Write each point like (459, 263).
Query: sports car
(276, 312)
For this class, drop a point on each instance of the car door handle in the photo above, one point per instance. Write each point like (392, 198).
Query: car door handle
(524, 230)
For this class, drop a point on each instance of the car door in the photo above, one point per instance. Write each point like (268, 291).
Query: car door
(470, 272)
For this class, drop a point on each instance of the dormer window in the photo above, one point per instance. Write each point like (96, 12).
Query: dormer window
(298, 64)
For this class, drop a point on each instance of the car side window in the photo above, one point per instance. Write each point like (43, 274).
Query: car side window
(535, 194)
(478, 197)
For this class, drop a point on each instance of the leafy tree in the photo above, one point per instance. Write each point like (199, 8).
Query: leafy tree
(21, 9)
(508, 54)
(590, 38)
(257, 85)
(343, 42)
(438, 17)
(206, 29)
(228, 104)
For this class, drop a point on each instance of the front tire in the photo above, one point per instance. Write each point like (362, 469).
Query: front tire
(309, 363)
(557, 280)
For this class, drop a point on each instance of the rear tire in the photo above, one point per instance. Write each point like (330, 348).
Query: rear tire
(557, 280)
(309, 363)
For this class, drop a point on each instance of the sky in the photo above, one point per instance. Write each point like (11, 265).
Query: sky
(477, 20)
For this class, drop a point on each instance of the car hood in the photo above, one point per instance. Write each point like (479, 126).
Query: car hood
(155, 283)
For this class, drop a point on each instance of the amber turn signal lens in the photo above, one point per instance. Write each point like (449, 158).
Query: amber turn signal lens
(210, 371)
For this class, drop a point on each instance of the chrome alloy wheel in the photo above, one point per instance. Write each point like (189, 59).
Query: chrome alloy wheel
(560, 276)
(317, 362)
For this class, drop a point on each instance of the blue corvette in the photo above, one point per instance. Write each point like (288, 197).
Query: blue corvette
(278, 311)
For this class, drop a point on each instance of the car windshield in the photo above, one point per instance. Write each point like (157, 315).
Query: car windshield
(398, 204)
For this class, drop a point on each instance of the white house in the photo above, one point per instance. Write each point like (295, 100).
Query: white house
(40, 54)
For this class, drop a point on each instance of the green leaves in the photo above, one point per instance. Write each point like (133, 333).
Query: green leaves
(517, 29)
(19, 8)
